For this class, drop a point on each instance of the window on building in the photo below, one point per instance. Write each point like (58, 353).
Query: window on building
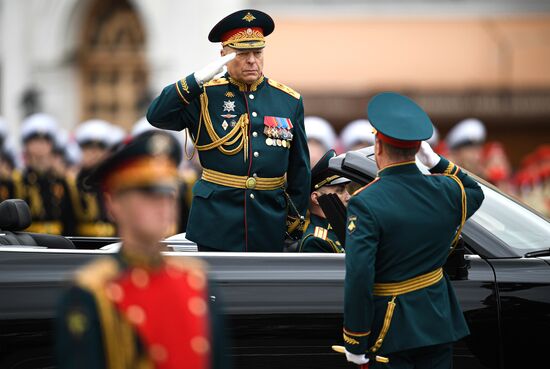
(112, 63)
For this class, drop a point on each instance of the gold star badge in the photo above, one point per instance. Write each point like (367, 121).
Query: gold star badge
(77, 323)
(249, 17)
(351, 223)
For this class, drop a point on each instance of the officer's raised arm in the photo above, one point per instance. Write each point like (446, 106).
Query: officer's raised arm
(167, 111)
(440, 165)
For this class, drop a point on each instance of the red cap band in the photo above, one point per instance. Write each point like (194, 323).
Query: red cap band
(243, 33)
(398, 143)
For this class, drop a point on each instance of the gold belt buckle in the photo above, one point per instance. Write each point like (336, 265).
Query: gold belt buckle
(250, 183)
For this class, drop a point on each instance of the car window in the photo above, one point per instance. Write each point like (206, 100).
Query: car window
(513, 223)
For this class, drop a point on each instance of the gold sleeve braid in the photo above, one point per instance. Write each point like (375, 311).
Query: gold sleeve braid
(237, 136)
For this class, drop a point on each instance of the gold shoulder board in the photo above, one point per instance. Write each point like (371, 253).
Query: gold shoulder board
(97, 273)
(216, 82)
(284, 88)
(321, 233)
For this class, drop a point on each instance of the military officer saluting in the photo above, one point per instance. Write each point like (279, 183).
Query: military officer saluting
(138, 309)
(319, 235)
(94, 138)
(249, 133)
(400, 230)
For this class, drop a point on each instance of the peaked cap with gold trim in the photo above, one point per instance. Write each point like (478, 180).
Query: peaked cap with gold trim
(322, 175)
(146, 162)
(243, 29)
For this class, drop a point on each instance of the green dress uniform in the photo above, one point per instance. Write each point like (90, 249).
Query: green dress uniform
(130, 311)
(252, 146)
(319, 236)
(398, 301)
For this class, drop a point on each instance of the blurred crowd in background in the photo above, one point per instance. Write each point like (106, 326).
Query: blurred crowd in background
(465, 144)
(49, 171)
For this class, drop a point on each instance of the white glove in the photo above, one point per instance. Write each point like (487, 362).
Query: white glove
(356, 359)
(427, 156)
(207, 73)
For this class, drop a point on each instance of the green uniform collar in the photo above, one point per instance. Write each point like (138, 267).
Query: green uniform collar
(408, 167)
(243, 87)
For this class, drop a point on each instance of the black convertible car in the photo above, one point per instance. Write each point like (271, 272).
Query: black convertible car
(285, 309)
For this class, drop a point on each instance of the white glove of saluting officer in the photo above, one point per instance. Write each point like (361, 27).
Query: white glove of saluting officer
(356, 359)
(207, 73)
(427, 156)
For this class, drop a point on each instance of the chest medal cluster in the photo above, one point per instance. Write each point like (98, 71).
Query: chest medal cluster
(277, 131)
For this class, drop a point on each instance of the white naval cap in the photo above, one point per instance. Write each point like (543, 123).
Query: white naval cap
(39, 124)
(94, 130)
(468, 131)
(117, 134)
(357, 131)
(320, 129)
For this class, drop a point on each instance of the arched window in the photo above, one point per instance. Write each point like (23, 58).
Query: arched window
(112, 63)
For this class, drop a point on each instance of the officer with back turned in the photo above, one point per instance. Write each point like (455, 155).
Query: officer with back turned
(400, 229)
(249, 133)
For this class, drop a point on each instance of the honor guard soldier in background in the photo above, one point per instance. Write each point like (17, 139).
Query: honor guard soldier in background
(320, 137)
(401, 228)
(249, 133)
(465, 143)
(94, 138)
(319, 235)
(46, 193)
(138, 309)
(357, 135)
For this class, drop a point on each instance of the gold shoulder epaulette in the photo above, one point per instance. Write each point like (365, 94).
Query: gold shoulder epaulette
(97, 273)
(284, 88)
(321, 233)
(217, 82)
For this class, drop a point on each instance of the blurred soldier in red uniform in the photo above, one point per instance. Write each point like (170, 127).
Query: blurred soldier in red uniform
(137, 308)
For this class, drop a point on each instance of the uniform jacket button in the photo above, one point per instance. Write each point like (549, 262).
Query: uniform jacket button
(256, 154)
(251, 96)
(254, 114)
(252, 196)
(255, 134)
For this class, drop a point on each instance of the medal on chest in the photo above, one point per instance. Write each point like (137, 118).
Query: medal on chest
(278, 131)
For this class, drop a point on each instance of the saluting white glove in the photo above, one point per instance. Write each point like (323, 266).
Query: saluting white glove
(427, 156)
(356, 359)
(207, 73)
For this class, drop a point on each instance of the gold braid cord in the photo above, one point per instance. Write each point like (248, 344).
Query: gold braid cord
(464, 210)
(237, 136)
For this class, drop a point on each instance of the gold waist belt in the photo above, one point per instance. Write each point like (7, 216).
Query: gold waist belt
(413, 284)
(395, 289)
(54, 227)
(96, 229)
(244, 182)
